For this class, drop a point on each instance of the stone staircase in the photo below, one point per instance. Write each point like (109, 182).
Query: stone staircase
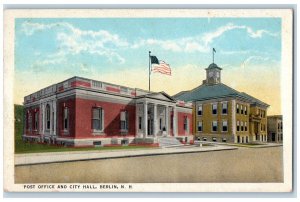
(168, 142)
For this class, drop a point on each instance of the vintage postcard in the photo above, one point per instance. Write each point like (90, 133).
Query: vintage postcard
(148, 100)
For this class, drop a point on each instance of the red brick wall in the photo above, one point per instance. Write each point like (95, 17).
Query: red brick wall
(180, 116)
(111, 118)
(70, 104)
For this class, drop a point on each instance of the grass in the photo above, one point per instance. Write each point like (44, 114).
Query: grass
(40, 148)
(25, 147)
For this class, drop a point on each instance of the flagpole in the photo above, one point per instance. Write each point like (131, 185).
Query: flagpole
(149, 68)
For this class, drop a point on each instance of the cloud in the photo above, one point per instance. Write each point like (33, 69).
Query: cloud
(72, 40)
(254, 58)
(199, 43)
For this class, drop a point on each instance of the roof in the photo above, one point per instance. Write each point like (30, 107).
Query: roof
(160, 96)
(220, 90)
(213, 66)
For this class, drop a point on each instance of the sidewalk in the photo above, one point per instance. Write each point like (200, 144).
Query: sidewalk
(56, 157)
(261, 145)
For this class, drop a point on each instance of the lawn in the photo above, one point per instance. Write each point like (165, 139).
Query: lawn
(22, 147)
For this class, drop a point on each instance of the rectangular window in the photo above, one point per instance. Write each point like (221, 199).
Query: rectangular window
(124, 120)
(185, 123)
(237, 108)
(214, 126)
(36, 120)
(224, 108)
(224, 126)
(242, 109)
(242, 126)
(214, 108)
(199, 126)
(97, 119)
(66, 118)
(245, 110)
(199, 110)
(140, 123)
(246, 128)
(237, 126)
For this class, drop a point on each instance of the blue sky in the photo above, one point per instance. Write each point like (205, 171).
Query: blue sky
(97, 47)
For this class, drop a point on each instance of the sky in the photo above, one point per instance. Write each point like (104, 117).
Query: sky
(115, 50)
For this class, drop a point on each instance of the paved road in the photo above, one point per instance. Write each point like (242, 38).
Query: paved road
(242, 165)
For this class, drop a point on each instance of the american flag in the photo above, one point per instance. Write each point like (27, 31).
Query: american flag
(162, 68)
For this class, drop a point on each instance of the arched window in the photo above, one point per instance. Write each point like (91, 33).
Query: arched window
(48, 117)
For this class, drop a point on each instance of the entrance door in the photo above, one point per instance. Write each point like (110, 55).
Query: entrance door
(150, 126)
(238, 139)
(273, 137)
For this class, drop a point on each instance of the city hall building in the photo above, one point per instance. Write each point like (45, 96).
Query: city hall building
(86, 112)
(223, 114)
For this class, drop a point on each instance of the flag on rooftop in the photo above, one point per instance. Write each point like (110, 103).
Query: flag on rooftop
(154, 59)
(161, 67)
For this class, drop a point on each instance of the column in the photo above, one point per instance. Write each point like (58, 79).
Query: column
(167, 120)
(175, 122)
(51, 118)
(155, 120)
(136, 119)
(54, 118)
(259, 131)
(43, 117)
(145, 119)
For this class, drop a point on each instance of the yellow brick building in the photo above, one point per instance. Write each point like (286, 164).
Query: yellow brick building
(222, 114)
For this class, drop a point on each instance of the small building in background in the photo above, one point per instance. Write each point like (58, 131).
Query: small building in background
(275, 128)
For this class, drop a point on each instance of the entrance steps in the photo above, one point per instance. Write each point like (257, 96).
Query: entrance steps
(168, 142)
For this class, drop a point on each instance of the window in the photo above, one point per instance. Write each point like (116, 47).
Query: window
(242, 126)
(246, 126)
(48, 117)
(199, 126)
(185, 124)
(36, 120)
(237, 126)
(214, 139)
(242, 109)
(140, 123)
(97, 119)
(124, 120)
(224, 140)
(214, 126)
(224, 126)
(214, 108)
(245, 110)
(224, 108)
(199, 110)
(204, 139)
(66, 118)
(237, 108)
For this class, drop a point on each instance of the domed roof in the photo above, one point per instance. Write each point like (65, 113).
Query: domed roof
(213, 66)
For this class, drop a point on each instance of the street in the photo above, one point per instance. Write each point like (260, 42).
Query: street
(241, 165)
